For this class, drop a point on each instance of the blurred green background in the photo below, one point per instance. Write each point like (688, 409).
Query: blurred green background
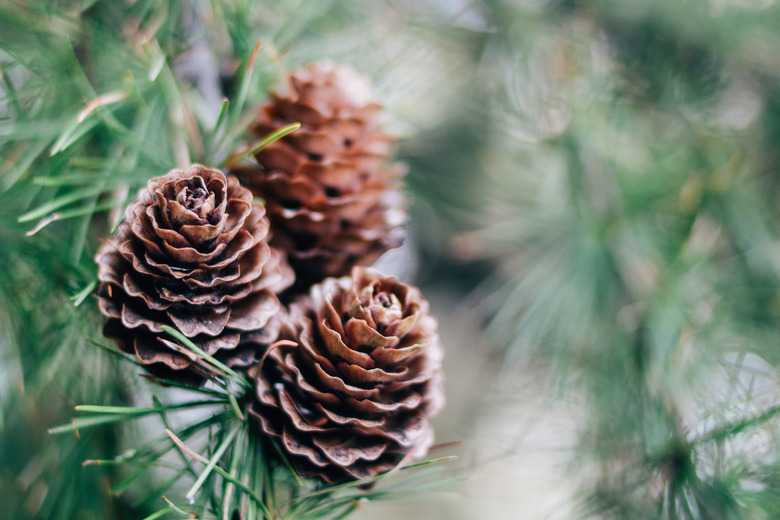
(594, 219)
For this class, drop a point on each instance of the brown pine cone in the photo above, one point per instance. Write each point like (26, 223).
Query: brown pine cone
(353, 398)
(192, 254)
(332, 200)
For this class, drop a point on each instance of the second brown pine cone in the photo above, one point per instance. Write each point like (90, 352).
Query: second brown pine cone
(351, 391)
(332, 200)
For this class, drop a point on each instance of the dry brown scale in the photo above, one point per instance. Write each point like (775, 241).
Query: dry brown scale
(192, 254)
(354, 397)
(332, 199)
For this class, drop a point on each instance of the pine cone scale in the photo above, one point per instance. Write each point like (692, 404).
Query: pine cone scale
(346, 452)
(223, 342)
(390, 355)
(339, 386)
(276, 277)
(337, 348)
(372, 376)
(193, 296)
(364, 424)
(254, 312)
(132, 320)
(134, 290)
(171, 359)
(302, 421)
(191, 321)
(202, 235)
(294, 446)
(359, 332)
(409, 402)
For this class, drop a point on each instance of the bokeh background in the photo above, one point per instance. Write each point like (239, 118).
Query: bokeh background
(594, 219)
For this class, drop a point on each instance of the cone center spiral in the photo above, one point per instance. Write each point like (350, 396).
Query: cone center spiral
(195, 197)
(386, 309)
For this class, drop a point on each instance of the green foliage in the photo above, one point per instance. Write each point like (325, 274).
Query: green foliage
(607, 168)
(635, 231)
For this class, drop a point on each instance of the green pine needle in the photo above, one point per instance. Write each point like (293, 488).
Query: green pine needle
(235, 377)
(212, 463)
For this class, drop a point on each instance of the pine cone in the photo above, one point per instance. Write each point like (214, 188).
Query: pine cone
(192, 254)
(332, 201)
(353, 398)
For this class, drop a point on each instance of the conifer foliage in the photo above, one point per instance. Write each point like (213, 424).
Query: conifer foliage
(208, 183)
